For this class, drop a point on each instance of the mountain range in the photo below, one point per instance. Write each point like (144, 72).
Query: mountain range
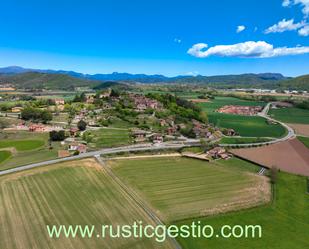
(38, 78)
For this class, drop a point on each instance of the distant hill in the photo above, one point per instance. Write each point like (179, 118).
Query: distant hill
(34, 80)
(266, 80)
(61, 79)
(112, 85)
(298, 83)
(102, 77)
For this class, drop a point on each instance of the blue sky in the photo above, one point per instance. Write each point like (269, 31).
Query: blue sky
(154, 36)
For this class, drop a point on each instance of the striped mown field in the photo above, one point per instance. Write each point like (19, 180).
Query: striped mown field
(179, 188)
(109, 137)
(71, 193)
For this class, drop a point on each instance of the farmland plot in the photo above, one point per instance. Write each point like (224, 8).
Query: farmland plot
(71, 193)
(179, 188)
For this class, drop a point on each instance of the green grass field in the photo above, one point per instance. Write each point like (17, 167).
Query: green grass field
(74, 193)
(243, 140)
(291, 115)
(239, 164)
(31, 148)
(4, 155)
(304, 140)
(284, 223)
(248, 126)
(218, 102)
(180, 188)
(109, 137)
(22, 145)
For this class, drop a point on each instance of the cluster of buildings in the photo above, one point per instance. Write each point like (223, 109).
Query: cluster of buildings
(240, 110)
(218, 153)
(143, 103)
(213, 154)
(140, 136)
(205, 131)
(35, 127)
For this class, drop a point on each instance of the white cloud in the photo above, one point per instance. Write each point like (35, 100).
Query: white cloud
(240, 28)
(249, 49)
(303, 3)
(304, 31)
(286, 3)
(284, 25)
(177, 40)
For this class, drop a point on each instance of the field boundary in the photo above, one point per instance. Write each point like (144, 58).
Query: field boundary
(135, 197)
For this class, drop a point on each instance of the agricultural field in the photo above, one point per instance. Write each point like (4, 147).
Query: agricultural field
(304, 140)
(243, 140)
(284, 222)
(21, 145)
(290, 156)
(179, 188)
(290, 115)
(4, 155)
(109, 137)
(26, 148)
(248, 126)
(239, 164)
(33, 199)
(62, 117)
(219, 102)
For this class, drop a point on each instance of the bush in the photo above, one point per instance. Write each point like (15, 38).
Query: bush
(81, 125)
(57, 135)
(36, 115)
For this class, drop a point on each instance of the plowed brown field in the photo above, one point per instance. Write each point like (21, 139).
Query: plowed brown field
(290, 156)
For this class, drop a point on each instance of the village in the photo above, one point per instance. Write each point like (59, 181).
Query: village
(147, 121)
(240, 110)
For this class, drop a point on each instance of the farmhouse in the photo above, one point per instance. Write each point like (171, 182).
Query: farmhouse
(105, 94)
(139, 135)
(73, 131)
(37, 128)
(217, 153)
(172, 130)
(157, 138)
(59, 101)
(81, 148)
(240, 110)
(90, 99)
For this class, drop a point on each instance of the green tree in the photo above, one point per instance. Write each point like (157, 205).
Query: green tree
(81, 125)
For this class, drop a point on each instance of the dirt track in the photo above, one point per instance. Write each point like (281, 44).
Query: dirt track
(300, 129)
(290, 156)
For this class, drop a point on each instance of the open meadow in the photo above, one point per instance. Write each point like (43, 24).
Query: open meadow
(72, 193)
(284, 222)
(109, 137)
(290, 115)
(180, 188)
(304, 140)
(248, 126)
(25, 148)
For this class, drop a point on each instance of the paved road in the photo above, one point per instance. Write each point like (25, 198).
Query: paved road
(264, 114)
(132, 148)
